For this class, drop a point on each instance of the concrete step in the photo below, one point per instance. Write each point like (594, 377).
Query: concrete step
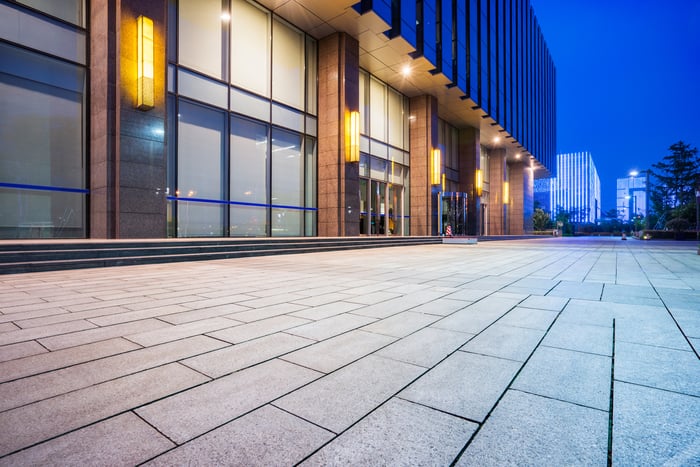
(56, 255)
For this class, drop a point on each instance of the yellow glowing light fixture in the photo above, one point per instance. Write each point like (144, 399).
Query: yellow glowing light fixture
(145, 94)
(479, 182)
(444, 182)
(352, 136)
(506, 192)
(436, 167)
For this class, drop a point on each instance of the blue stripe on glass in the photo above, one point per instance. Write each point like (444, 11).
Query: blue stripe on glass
(240, 203)
(22, 186)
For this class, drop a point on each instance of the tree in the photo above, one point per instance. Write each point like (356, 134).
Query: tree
(676, 177)
(541, 220)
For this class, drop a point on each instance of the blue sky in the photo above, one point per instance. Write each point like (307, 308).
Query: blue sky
(628, 80)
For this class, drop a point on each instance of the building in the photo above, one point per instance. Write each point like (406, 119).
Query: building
(631, 197)
(189, 118)
(575, 189)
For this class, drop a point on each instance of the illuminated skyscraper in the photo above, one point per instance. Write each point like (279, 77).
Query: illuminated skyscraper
(575, 189)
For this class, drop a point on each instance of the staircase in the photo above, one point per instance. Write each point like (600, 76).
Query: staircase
(53, 255)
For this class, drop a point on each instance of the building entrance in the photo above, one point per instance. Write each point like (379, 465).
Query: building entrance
(381, 208)
(452, 212)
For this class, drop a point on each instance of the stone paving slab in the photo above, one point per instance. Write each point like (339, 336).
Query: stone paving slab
(237, 357)
(658, 367)
(266, 436)
(502, 352)
(191, 413)
(398, 433)
(526, 429)
(49, 418)
(345, 396)
(336, 352)
(580, 337)
(504, 341)
(425, 347)
(653, 427)
(121, 440)
(465, 384)
(569, 376)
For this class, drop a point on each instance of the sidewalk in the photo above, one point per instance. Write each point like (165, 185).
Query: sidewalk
(552, 351)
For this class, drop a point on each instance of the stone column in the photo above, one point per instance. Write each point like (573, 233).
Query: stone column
(469, 162)
(103, 141)
(497, 173)
(423, 138)
(338, 93)
(128, 157)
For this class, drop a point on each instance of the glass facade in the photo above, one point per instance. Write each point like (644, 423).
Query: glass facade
(384, 158)
(43, 186)
(243, 88)
(575, 189)
(236, 122)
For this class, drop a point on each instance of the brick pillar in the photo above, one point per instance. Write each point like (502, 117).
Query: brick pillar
(469, 162)
(497, 173)
(423, 138)
(338, 93)
(127, 146)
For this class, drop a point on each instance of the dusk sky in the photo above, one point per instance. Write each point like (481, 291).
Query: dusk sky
(628, 80)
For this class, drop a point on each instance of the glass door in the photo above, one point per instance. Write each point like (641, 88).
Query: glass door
(453, 213)
(378, 208)
(364, 206)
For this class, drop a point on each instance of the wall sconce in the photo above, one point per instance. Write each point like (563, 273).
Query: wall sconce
(479, 175)
(144, 76)
(352, 136)
(506, 192)
(444, 182)
(436, 167)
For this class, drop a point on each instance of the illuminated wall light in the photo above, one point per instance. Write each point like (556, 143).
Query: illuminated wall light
(506, 192)
(144, 75)
(444, 182)
(352, 136)
(436, 167)
(479, 182)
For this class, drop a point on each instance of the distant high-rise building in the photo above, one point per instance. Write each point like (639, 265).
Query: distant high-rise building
(575, 189)
(631, 197)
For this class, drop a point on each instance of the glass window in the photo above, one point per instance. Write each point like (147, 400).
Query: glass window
(250, 47)
(38, 32)
(42, 134)
(200, 160)
(249, 175)
(287, 65)
(310, 184)
(378, 168)
(395, 118)
(287, 183)
(364, 102)
(377, 119)
(200, 36)
(72, 11)
(311, 76)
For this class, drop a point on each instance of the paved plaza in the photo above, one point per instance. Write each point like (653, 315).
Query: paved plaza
(530, 352)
